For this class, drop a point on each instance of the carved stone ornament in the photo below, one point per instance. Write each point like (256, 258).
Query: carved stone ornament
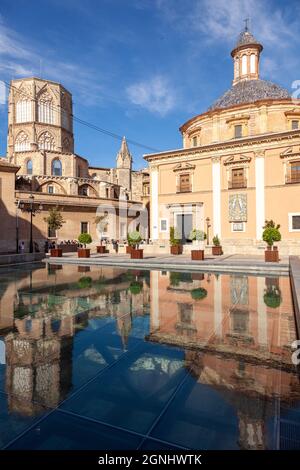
(238, 207)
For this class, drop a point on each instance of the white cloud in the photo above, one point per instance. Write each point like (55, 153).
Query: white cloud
(154, 95)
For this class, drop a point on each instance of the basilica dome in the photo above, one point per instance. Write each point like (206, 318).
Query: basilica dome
(249, 91)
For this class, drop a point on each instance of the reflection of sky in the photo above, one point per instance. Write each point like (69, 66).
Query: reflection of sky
(2, 351)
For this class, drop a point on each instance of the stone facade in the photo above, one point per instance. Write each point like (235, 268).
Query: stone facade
(41, 145)
(239, 165)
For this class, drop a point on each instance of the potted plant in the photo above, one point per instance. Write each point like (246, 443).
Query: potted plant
(101, 222)
(198, 237)
(134, 238)
(84, 239)
(136, 287)
(199, 293)
(176, 246)
(270, 235)
(217, 248)
(55, 221)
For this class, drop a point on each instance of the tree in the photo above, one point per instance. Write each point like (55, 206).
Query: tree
(85, 239)
(54, 220)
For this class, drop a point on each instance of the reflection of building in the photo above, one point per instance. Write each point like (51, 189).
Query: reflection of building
(236, 341)
(41, 143)
(239, 164)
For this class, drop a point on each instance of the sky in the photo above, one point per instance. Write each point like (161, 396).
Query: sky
(140, 68)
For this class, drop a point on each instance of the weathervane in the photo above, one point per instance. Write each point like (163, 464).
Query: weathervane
(247, 22)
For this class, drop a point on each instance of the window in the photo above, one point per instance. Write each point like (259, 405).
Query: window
(237, 179)
(83, 191)
(163, 225)
(294, 222)
(184, 184)
(84, 227)
(238, 227)
(295, 124)
(252, 63)
(46, 141)
(29, 167)
(244, 65)
(24, 110)
(56, 167)
(22, 142)
(50, 189)
(46, 109)
(238, 131)
(51, 232)
(195, 141)
(107, 192)
(146, 189)
(294, 176)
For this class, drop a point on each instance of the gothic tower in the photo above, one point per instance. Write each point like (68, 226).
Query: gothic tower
(124, 166)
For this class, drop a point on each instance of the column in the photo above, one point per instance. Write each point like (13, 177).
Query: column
(216, 180)
(260, 193)
(154, 305)
(218, 312)
(262, 313)
(154, 203)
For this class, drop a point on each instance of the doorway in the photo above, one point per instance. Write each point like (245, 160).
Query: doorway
(184, 226)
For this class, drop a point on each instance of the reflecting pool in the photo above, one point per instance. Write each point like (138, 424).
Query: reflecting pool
(107, 358)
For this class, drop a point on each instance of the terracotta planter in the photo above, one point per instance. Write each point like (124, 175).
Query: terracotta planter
(128, 249)
(176, 250)
(197, 255)
(101, 249)
(271, 256)
(56, 252)
(83, 252)
(197, 276)
(136, 254)
(217, 250)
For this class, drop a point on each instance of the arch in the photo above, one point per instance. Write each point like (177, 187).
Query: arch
(52, 183)
(56, 167)
(87, 190)
(22, 142)
(29, 167)
(66, 144)
(244, 64)
(46, 108)
(24, 110)
(46, 141)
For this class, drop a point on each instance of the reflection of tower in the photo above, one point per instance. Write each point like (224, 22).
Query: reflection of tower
(39, 364)
(252, 417)
(124, 324)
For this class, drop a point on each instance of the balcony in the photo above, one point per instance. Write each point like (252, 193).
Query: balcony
(184, 189)
(237, 184)
(293, 177)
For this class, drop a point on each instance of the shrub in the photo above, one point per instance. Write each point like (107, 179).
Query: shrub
(135, 287)
(174, 237)
(85, 282)
(271, 235)
(197, 235)
(134, 238)
(175, 279)
(216, 241)
(85, 239)
(272, 297)
(271, 224)
(199, 293)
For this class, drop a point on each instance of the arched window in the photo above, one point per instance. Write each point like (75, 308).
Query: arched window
(252, 63)
(29, 167)
(46, 109)
(56, 167)
(244, 65)
(22, 142)
(46, 141)
(24, 110)
(66, 144)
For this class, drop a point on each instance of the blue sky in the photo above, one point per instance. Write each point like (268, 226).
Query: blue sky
(140, 68)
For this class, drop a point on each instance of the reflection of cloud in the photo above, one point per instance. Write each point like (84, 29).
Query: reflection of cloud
(153, 94)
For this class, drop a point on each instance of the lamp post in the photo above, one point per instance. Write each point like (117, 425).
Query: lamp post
(32, 210)
(207, 220)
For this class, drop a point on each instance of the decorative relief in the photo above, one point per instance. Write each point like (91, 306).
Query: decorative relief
(237, 159)
(184, 167)
(239, 290)
(237, 207)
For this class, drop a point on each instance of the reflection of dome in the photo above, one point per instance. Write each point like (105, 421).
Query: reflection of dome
(249, 91)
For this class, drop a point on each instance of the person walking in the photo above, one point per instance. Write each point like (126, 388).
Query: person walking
(22, 247)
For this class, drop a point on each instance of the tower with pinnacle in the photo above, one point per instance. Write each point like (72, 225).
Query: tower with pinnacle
(124, 166)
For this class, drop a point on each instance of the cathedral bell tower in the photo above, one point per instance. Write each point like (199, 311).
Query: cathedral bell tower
(245, 56)
(124, 166)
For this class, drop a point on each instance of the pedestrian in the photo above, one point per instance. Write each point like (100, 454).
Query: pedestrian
(22, 247)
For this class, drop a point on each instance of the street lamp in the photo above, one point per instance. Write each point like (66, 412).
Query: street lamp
(207, 220)
(32, 210)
